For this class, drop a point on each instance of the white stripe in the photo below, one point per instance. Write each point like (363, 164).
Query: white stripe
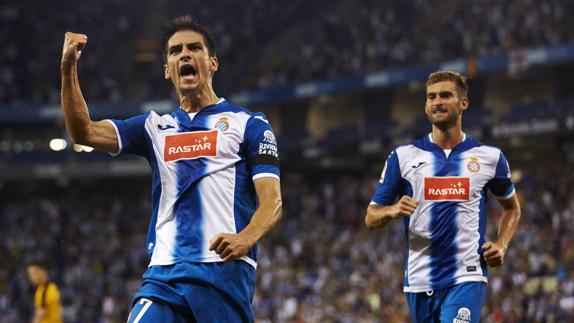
(505, 197)
(118, 138)
(261, 175)
(249, 261)
(216, 200)
(144, 309)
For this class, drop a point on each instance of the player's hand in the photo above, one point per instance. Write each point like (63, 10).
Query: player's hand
(493, 253)
(230, 246)
(404, 207)
(74, 44)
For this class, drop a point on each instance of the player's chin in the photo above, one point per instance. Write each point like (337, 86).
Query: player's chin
(187, 90)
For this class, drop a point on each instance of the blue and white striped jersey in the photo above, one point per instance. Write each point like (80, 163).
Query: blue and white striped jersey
(203, 167)
(446, 231)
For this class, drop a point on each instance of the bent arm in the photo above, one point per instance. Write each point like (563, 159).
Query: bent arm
(509, 221)
(231, 246)
(378, 216)
(269, 212)
(100, 135)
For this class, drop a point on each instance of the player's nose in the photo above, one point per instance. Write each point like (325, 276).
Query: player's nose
(185, 56)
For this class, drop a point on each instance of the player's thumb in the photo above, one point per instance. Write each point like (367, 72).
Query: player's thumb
(487, 245)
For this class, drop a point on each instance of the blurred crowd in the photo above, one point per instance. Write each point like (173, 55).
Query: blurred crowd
(263, 44)
(319, 264)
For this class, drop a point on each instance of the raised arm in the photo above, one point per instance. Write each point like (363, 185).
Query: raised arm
(231, 246)
(82, 130)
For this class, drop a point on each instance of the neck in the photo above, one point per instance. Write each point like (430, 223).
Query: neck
(196, 102)
(447, 138)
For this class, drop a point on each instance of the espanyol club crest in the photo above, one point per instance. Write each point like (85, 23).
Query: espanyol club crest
(269, 137)
(473, 166)
(222, 124)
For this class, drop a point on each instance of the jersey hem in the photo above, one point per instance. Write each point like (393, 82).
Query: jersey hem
(248, 260)
(422, 289)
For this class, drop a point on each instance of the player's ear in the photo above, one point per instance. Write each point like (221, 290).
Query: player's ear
(464, 103)
(165, 72)
(213, 63)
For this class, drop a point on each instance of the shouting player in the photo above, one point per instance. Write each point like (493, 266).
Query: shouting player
(438, 186)
(215, 183)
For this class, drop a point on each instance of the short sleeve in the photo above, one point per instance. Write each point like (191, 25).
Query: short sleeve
(132, 135)
(389, 185)
(261, 147)
(501, 185)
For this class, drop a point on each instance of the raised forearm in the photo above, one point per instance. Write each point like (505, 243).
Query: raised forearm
(74, 106)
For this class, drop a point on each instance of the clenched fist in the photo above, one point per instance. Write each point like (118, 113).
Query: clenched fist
(493, 253)
(404, 207)
(73, 46)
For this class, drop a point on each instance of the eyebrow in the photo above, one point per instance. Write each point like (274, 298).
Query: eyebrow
(440, 93)
(195, 43)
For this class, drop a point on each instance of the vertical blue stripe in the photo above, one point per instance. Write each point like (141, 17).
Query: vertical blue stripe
(407, 190)
(443, 226)
(189, 239)
(482, 216)
(188, 211)
(155, 196)
(406, 222)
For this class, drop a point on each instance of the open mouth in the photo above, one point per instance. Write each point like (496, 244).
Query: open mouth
(187, 70)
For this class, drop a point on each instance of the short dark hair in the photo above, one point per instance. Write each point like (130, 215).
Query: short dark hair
(40, 263)
(457, 78)
(183, 23)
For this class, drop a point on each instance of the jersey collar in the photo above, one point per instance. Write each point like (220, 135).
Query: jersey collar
(183, 118)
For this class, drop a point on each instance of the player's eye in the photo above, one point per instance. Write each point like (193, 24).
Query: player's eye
(175, 49)
(194, 47)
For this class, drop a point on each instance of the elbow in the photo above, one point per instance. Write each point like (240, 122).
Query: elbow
(369, 223)
(80, 136)
(79, 139)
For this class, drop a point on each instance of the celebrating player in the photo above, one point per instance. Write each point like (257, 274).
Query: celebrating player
(437, 185)
(215, 183)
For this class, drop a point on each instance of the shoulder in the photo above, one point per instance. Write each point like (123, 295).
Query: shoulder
(408, 150)
(230, 107)
(476, 146)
